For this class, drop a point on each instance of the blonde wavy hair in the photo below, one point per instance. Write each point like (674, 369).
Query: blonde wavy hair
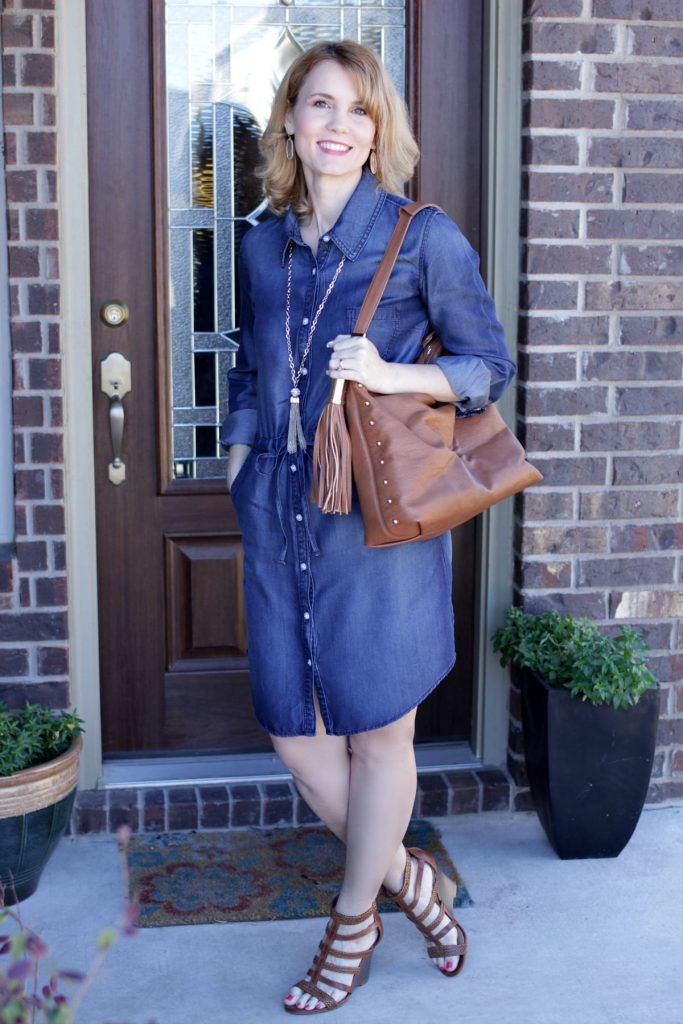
(396, 150)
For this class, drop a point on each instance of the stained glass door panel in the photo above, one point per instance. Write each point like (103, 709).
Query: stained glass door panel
(224, 62)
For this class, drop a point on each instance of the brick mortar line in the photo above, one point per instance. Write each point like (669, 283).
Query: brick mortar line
(571, 454)
(605, 383)
(614, 205)
(621, 97)
(531, 131)
(581, 59)
(596, 278)
(594, 589)
(652, 554)
(548, 170)
(589, 19)
(589, 95)
(542, 421)
(578, 524)
(586, 489)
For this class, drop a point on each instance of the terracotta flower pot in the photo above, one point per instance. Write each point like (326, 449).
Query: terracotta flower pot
(35, 805)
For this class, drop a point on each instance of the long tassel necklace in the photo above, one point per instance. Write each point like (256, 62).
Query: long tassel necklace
(295, 434)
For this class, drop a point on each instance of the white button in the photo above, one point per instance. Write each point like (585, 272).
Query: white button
(309, 662)
(298, 517)
(304, 371)
(326, 238)
(293, 468)
(304, 321)
(314, 271)
(303, 567)
(306, 616)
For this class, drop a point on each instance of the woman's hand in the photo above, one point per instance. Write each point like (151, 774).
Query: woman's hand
(355, 357)
(361, 361)
(236, 458)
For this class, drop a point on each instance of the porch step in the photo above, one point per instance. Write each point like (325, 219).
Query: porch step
(268, 804)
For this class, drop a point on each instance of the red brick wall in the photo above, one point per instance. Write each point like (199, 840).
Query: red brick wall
(601, 353)
(33, 592)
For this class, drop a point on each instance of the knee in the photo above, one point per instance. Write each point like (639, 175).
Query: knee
(390, 741)
(295, 755)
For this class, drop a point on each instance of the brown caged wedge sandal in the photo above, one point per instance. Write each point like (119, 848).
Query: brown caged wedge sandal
(443, 894)
(359, 974)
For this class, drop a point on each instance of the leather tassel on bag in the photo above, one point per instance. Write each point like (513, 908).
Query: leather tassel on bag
(332, 456)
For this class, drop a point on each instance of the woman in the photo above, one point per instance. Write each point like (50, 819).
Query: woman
(346, 641)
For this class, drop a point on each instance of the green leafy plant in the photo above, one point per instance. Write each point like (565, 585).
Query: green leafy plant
(34, 735)
(572, 653)
(31, 990)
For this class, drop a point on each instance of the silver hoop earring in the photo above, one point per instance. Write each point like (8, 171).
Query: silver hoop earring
(373, 161)
(289, 147)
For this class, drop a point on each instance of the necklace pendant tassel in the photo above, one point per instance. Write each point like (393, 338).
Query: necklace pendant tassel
(295, 433)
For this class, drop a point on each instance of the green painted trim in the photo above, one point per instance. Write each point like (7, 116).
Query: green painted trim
(502, 105)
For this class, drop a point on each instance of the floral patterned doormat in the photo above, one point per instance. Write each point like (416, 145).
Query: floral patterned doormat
(252, 875)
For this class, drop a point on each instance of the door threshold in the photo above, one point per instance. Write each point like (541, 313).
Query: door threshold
(126, 773)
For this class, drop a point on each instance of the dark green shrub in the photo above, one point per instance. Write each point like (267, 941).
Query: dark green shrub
(572, 653)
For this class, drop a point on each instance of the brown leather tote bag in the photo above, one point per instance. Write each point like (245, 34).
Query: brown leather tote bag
(419, 469)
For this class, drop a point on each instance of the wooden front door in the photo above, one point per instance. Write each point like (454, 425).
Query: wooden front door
(177, 95)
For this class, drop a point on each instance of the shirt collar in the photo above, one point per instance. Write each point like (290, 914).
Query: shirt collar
(355, 222)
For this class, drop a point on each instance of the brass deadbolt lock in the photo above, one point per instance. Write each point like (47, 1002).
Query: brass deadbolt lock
(114, 313)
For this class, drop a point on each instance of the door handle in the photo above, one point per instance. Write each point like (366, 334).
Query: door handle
(115, 383)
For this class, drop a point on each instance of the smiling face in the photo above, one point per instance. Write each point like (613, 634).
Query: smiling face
(333, 132)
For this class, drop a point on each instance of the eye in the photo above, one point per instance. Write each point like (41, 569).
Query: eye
(360, 110)
(320, 103)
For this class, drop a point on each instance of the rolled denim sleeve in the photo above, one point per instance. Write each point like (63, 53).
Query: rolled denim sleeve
(461, 311)
(239, 426)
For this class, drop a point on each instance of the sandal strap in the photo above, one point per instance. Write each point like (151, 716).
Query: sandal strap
(436, 948)
(337, 984)
(337, 967)
(458, 949)
(352, 919)
(333, 932)
(399, 897)
(318, 993)
(327, 948)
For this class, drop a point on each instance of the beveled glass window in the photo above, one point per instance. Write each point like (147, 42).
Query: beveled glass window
(224, 61)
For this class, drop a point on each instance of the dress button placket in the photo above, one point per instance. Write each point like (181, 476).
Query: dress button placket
(304, 575)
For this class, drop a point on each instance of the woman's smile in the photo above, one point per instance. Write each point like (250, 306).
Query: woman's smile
(334, 147)
(333, 132)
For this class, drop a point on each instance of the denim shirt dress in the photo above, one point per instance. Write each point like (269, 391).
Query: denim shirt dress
(371, 630)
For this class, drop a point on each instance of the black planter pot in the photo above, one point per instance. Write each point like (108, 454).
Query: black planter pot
(589, 766)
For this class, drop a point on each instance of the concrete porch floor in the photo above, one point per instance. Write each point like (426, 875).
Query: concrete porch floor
(551, 941)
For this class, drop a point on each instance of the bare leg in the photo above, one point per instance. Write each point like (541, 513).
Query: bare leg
(381, 796)
(321, 766)
(366, 799)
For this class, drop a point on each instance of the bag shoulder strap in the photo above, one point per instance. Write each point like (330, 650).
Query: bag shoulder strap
(383, 272)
